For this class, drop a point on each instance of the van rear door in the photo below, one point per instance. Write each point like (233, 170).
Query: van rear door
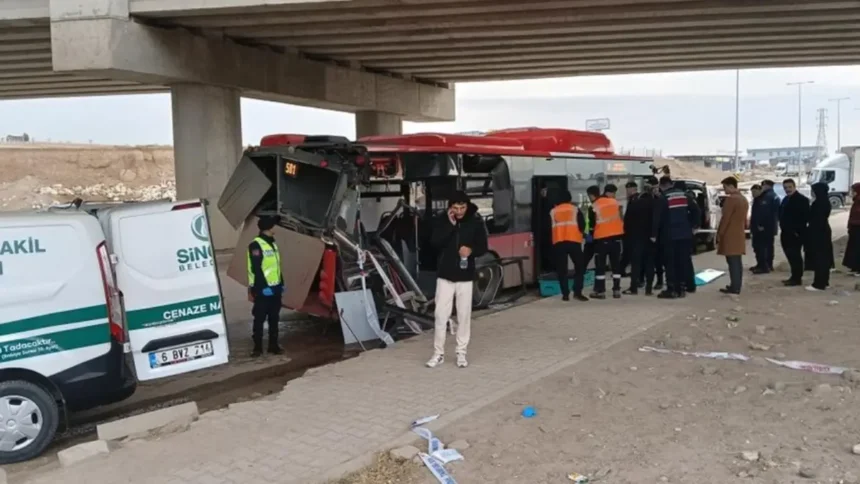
(165, 269)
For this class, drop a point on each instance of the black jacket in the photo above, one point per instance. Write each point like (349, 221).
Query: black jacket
(794, 215)
(256, 255)
(447, 239)
(765, 213)
(639, 216)
(819, 235)
(676, 216)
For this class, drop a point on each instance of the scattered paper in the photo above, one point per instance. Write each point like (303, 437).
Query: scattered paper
(717, 355)
(807, 366)
(423, 420)
(447, 455)
(438, 470)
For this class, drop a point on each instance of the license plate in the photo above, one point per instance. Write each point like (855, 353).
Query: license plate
(181, 354)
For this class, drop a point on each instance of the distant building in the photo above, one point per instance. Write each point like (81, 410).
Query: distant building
(720, 161)
(761, 154)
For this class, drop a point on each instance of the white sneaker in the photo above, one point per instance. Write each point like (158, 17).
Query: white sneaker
(435, 361)
(812, 289)
(461, 360)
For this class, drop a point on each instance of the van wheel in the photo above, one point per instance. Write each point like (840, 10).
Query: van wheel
(29, 417)
(835, 202)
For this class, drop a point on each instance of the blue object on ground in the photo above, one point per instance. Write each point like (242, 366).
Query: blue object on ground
(529, 412)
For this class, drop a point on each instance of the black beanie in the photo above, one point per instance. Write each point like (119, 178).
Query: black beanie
(267, 223)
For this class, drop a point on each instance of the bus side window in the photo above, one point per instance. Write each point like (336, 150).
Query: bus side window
(503, 198)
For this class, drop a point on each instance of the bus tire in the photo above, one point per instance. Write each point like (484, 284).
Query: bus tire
(45, 414)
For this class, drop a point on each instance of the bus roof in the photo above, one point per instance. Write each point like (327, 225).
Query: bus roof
(517, 141)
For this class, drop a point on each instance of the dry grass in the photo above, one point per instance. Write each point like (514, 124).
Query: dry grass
(384, 470)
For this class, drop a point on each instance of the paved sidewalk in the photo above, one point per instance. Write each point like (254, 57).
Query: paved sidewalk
(336, 417)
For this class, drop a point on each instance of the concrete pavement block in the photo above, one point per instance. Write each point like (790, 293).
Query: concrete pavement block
(147, 422)
(82, 452)
(3, 477)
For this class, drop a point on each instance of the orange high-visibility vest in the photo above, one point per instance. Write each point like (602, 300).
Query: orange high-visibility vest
(608, 221)
(564, 225)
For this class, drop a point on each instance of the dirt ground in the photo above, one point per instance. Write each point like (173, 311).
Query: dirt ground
(38, 175)
(626, 416)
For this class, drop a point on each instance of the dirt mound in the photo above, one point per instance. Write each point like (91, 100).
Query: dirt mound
(35, 176)
(691, 170)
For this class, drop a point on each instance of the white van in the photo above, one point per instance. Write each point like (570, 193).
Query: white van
(92, 301)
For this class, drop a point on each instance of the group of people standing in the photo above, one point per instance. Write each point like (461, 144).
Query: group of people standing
(655, 233)
(804, 230)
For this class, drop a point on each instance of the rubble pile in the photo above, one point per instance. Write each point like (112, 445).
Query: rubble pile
(166, 190)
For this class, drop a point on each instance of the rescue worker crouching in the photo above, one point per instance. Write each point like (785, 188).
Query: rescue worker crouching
(605, 217)
(265, 285)
(567, 239)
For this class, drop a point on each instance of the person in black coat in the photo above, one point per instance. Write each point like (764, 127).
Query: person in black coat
(637, 230)
(764, 225)
(819, 238)
(793, 221)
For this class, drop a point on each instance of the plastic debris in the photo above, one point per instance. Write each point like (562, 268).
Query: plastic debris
(717, 355)
(424, 420)
(708, 276)
(437, 469)
(447, 455)
(807, 366)
(529, 412)
(578, 478)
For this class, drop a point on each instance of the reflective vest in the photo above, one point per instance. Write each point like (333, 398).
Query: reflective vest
(607, 214)
(271, 265)
(564, 225)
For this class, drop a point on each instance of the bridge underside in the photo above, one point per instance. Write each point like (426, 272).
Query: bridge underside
(447, 41)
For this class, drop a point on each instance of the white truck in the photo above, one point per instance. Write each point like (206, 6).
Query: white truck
(839, 171)
(94, 299)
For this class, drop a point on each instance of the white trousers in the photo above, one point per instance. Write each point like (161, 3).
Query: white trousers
(446, 293)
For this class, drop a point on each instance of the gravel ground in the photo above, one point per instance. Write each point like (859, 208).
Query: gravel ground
(627, 416)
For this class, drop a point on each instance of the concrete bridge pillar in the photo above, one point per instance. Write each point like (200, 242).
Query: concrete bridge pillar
(207, 144)
(372, 123)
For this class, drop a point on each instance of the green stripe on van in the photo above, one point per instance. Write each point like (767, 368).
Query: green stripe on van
(79, 315)
(173, 313)
(58, 342)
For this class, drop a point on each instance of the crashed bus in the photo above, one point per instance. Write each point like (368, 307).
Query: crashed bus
(356, 213)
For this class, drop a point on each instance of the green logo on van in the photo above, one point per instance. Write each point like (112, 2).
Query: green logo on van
(199, 228)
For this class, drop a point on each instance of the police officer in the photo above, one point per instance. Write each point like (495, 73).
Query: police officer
(265, 285)
(675, 217)
(605, 215)
(567, 239)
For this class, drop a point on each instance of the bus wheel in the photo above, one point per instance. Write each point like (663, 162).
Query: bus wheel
(29, 417)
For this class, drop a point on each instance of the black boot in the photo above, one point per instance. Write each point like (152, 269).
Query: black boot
(275, 350)
(257, 352)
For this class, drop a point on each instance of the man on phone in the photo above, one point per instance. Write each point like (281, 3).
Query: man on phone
(459, 236)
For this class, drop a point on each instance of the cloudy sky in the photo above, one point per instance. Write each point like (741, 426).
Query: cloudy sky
(678, 113)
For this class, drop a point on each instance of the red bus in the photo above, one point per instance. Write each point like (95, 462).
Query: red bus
(504, 172)
(395, 185)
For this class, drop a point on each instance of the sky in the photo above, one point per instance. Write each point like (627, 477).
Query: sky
(678, 113)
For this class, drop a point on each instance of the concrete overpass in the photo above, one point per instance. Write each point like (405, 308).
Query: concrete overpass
(385, 60)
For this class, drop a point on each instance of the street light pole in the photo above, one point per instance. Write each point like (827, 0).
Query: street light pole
(799, 117)
(737, 116)
(838, 102)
